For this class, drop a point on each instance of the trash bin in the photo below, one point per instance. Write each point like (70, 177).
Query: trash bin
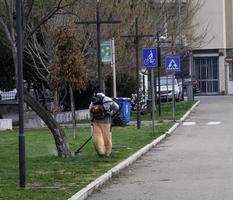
(124, 104)
(149, 106)
(189, 90)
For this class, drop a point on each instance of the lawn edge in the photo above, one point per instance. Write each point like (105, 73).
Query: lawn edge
(97, 183)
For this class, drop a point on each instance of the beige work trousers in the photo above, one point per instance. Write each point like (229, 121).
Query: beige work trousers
(102, 138)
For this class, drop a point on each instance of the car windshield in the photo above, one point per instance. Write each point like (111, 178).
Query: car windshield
(166, 81)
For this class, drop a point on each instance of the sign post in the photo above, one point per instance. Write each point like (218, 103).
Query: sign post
(172, 64)
(137, 36)
(114, 68)
(150, 59)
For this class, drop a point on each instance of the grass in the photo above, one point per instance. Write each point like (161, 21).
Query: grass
(49, 177)
(166, 111)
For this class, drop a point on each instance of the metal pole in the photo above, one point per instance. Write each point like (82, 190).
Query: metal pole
(100, 75)
(167, 87)
(159, 64)
(153, 99)
(114, 68)
(137, 71)
(173, 96)
(190, 65)
(136, 36)
(22, 168)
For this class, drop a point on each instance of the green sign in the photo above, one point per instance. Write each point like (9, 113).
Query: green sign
(106, 51)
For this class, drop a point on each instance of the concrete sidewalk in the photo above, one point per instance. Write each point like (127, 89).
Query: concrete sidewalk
(93, 186)
(194, 163)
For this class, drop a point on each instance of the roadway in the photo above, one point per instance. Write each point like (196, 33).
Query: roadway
(195, 162)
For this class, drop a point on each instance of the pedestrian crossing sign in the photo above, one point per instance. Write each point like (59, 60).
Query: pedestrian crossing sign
(172, 63)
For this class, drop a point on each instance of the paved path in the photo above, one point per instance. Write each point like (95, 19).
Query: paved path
(194, 163)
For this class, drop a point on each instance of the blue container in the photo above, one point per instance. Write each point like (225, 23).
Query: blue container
(125, 107)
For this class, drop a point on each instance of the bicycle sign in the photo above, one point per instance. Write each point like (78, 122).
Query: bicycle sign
(150, 57)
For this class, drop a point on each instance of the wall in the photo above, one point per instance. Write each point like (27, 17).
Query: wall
(229, 23)
(34, 121)
(5, 124)
(211, 15)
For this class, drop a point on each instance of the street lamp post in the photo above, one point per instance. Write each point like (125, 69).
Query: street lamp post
(22, 168)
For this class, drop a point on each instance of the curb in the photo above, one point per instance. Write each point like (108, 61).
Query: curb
(91, 187)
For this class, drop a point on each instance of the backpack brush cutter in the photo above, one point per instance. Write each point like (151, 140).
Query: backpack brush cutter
(84, 144)
(117, 120)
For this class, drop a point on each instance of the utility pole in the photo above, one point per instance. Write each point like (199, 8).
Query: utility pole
(22, 168)
(136, 36)
(98, 22)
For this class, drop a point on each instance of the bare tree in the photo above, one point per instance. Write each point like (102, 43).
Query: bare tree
(7, 25)
(67, 68)
(154, 16)
(172, 19)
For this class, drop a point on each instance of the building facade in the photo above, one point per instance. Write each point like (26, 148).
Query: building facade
(211, 61)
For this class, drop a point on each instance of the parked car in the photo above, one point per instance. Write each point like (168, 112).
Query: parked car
(166, 88)
(8, 95)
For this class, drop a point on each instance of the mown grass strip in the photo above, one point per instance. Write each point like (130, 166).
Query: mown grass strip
(49, 177)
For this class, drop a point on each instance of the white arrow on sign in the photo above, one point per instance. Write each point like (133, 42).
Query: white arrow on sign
(228, 59)
(172, 65)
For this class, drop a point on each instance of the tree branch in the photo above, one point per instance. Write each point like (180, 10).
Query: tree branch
(7, 32)
(48, 16)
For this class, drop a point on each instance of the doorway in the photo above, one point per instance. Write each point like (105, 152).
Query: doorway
(207, 73)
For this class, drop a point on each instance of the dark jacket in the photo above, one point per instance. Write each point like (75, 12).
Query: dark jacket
(110, 107)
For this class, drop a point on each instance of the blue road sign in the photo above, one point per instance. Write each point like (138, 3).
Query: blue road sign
(150, 57)
(172, 63)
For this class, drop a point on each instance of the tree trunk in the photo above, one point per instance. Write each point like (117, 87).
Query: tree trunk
(58, 134)
(72, 105)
